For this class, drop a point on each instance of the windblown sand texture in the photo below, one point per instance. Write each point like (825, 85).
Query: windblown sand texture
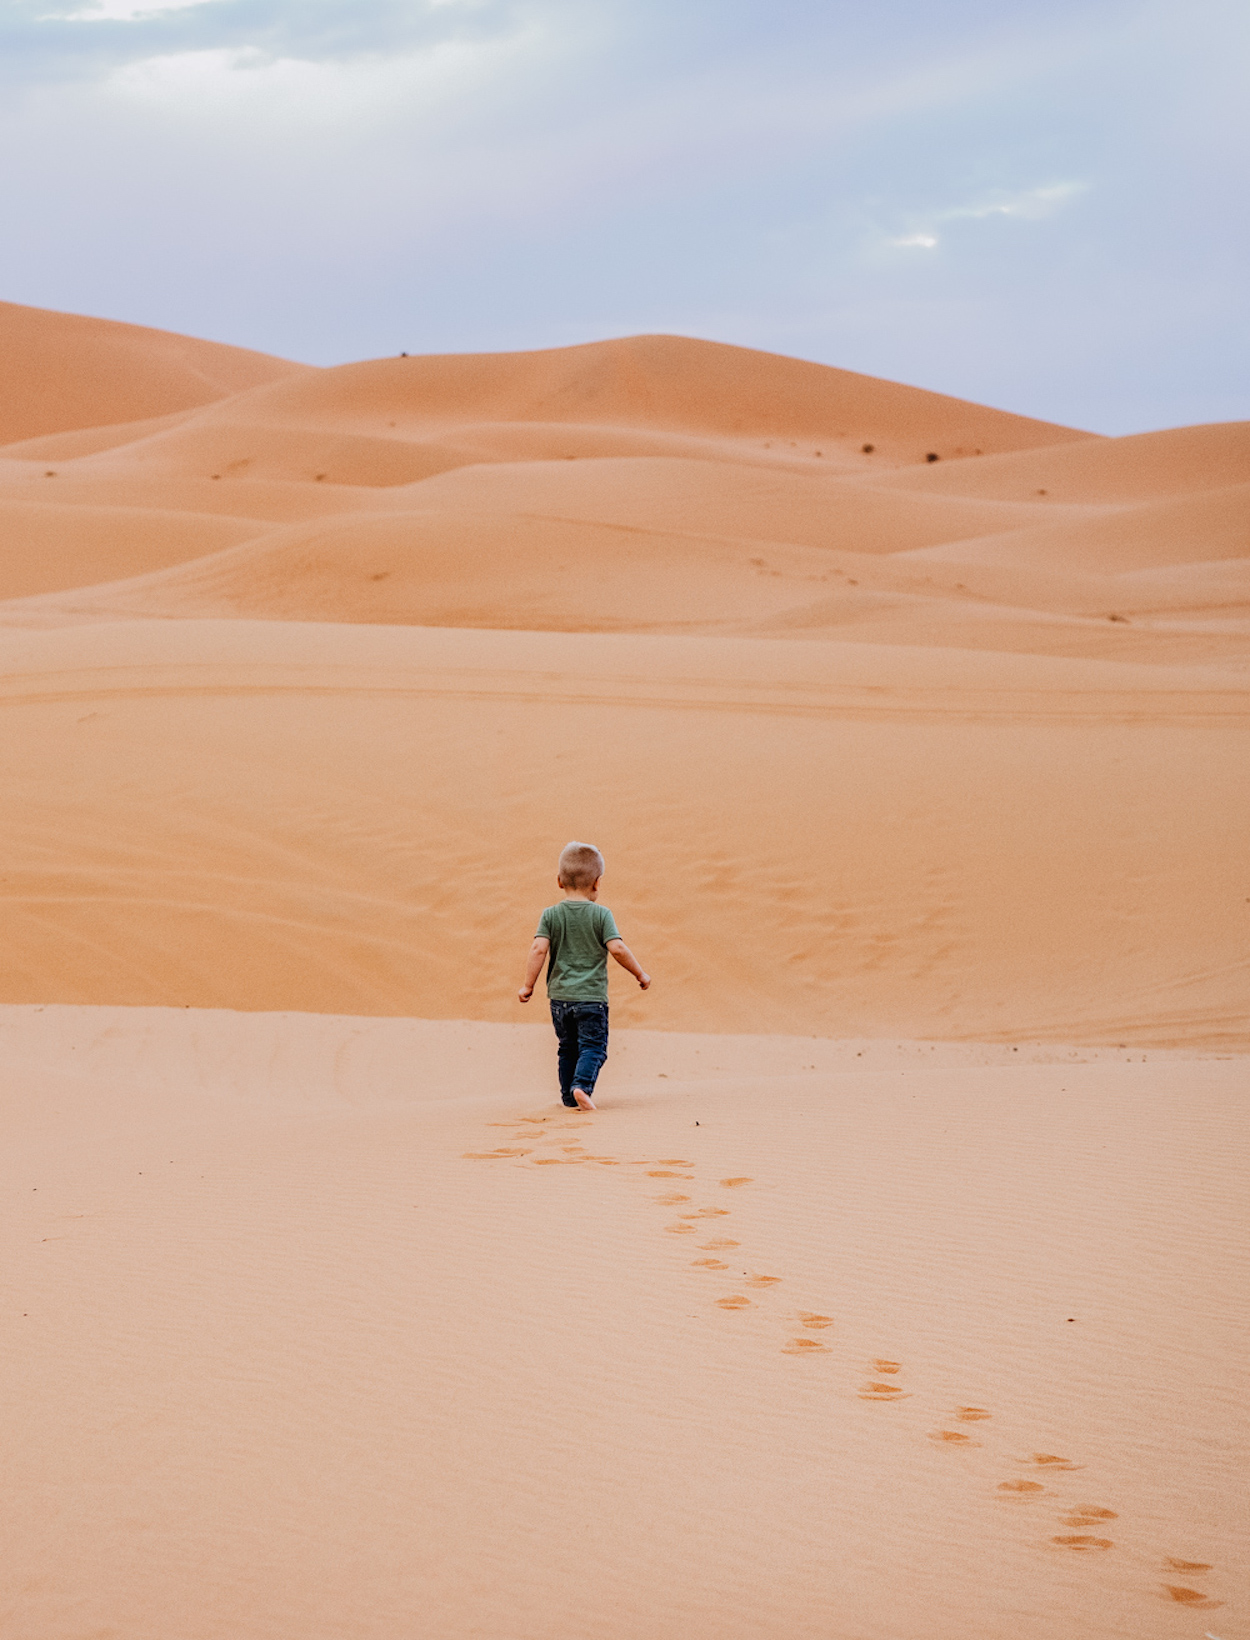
(855, 1314)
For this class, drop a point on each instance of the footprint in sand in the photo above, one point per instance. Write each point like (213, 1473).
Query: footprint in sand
(662, 1173)
(1081, 1543)
(735, 1301)
(673, 1161)
(816, 1323)
(882, 1392)
(559, 1161)
(1090, 1516)
(679, 1229)
(732, 1184)
(673, 1200)
(709, 1264)
(1182, 1595)
(877, 1391)
(805, 1346)
(1050, 1460)
(963, 1415)
(492, 1155)
(707, 1213)
(763, 1281)
(716, 1244)
(1020, 1489)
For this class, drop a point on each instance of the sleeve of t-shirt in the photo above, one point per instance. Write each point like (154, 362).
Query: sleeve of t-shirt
(607, 926)
(543, 932)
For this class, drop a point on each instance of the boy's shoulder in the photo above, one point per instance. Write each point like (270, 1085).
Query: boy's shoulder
(564, 908)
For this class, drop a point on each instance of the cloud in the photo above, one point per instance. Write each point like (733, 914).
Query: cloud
(121, 11)
(1032, 204)
(50, 40)
(290, 98)
(1024, 204)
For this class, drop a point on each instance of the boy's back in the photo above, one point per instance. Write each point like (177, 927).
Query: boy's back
(578, 932)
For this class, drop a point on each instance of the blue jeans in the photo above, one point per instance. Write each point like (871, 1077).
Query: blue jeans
(582, 1044)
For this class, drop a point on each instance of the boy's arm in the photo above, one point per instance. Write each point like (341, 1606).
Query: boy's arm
(533, 967)
(629, 961)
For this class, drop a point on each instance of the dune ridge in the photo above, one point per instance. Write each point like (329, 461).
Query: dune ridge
(662, 382)
(65, 372)
(654, 484)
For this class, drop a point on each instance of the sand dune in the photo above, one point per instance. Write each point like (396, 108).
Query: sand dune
(1206, 527)
(89, 441)
(668, 382)
(265, 500)
(65, 372)
(521, 570)
(722, 498)
(466, 570)
(1125, 471)
(897, 1289)
(682, 546)
(595, 545)
(323, 795)
(47, 547)
(203, 448)
(650, 485)
(391, 421)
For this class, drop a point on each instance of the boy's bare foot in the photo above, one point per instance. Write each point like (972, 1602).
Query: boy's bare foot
(584, 1101)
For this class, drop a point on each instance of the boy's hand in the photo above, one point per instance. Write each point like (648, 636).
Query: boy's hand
(533, 967)
(618, 949)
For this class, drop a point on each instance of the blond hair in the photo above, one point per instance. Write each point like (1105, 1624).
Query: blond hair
(581, 866)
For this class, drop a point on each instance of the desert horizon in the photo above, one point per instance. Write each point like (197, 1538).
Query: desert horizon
(897, 1287)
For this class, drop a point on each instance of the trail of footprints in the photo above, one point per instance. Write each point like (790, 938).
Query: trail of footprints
(1086, 1523)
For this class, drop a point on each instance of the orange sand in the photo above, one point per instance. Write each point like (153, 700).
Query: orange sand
(901, 766)
(329, 1326)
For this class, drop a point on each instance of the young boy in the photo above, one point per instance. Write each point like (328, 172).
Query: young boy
(578, 934)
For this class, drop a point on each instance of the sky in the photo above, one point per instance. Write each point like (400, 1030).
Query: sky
(1036, 204)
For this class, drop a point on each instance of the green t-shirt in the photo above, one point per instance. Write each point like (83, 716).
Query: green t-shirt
(577, 965)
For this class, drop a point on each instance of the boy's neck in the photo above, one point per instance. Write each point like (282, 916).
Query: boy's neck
(581, 893)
